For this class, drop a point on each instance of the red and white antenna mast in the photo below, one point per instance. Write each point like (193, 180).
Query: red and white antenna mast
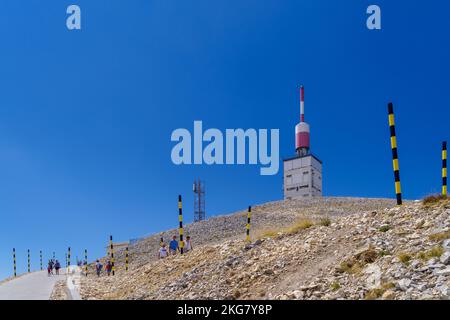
(302, 132)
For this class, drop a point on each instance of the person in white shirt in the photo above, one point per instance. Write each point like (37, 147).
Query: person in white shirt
(162, 253)
(188, 244)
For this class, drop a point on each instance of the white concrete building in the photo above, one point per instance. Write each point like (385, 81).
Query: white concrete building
(302, 177)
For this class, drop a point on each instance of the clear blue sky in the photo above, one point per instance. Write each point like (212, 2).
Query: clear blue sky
(86, 116)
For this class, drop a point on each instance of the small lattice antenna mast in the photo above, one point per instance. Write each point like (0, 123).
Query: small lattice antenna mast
(199, 200)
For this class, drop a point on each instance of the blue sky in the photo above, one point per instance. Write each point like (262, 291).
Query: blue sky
(86, 116)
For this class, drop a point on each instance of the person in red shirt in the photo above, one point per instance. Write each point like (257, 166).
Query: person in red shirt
(108, 268)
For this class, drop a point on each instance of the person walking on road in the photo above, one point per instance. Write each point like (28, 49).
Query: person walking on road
(53, 265)
(57, 267)
(49, 268)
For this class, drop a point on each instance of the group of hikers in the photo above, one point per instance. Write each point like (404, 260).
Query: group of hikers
(53, 264)
(174, 247)
(99, 267)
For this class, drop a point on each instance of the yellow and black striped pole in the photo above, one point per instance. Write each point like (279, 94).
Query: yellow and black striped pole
(126, 259)
(249, 215)
(14, 261)
(398, 190)
(180, 218)
(111, 248)
(85, 262)
(29, 262)
(68, 259)
(444, 168)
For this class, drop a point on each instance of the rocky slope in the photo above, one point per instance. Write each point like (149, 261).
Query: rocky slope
(59, 291)
(330, 248)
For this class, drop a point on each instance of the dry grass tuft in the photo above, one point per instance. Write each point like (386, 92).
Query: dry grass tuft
(236, 294)
(350, 266)
(368, 256)
(434, 252)
(268, 233)
(404, 257)
(335, 286)
(440, 236)
(385, 228)
(377, 293)
(434, 199)
(325, 222)
(295, 228)
(383, 253)
(298, 226)
(355, 264)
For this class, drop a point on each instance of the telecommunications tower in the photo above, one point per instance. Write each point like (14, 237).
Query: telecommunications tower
(302, 174)
(199, 200)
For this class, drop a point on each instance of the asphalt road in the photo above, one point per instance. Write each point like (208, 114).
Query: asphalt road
(32, 286)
